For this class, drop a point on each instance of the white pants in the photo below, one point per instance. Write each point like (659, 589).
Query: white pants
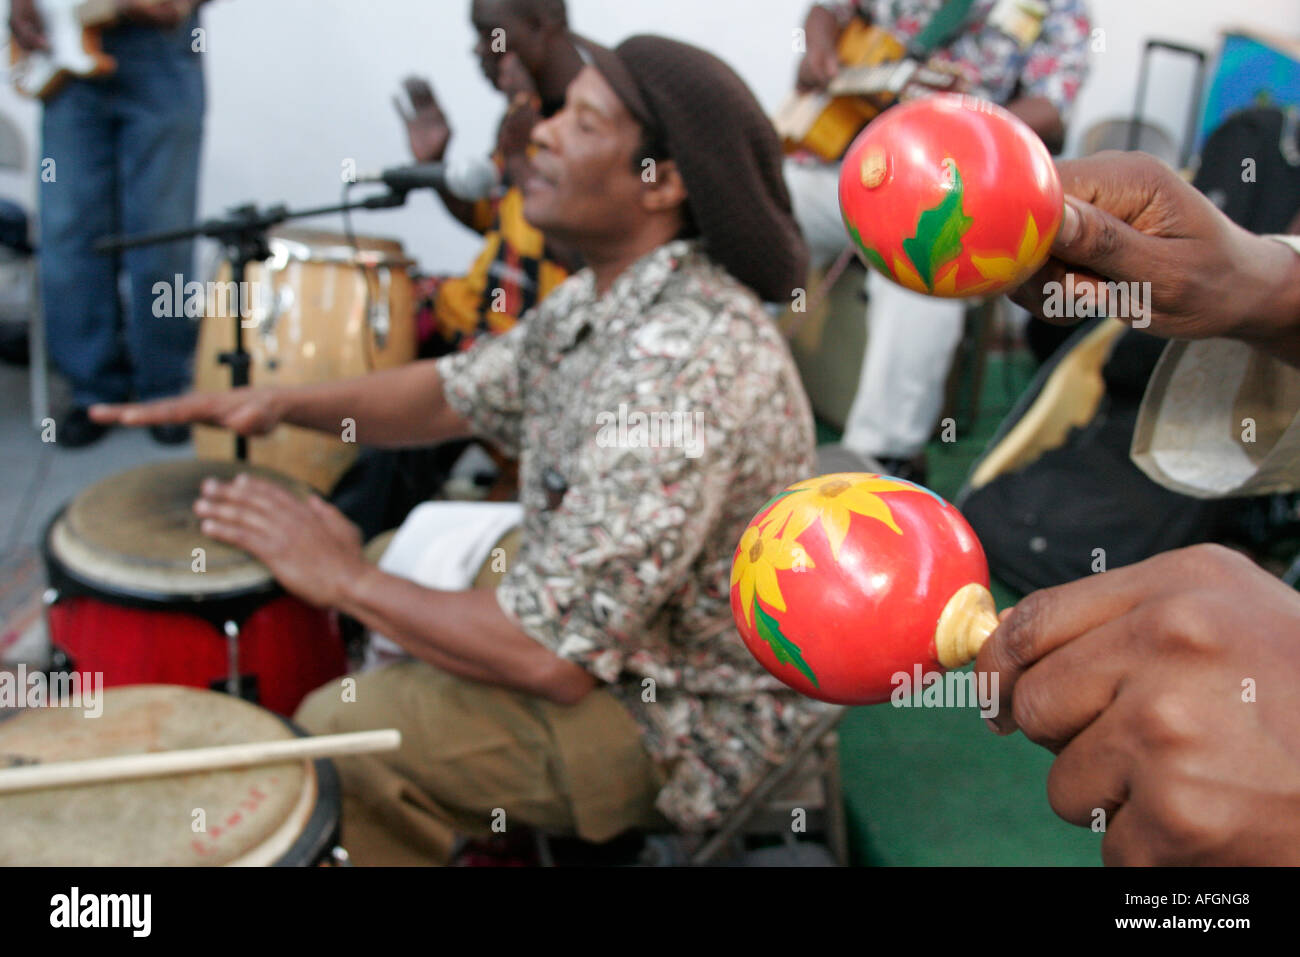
(911, 339)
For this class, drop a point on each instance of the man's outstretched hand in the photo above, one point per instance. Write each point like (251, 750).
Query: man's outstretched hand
(246, 411)
(1130, 218)
(1170, 693)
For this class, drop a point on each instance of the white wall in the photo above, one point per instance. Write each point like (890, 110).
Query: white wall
(297, 86)
(1128, 24)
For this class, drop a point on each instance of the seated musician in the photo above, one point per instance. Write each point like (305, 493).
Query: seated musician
(601, 685)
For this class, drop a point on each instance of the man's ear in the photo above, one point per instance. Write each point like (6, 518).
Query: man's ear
(664, 187)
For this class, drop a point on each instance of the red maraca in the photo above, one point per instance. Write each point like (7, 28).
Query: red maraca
(951, 196)
(843, 582)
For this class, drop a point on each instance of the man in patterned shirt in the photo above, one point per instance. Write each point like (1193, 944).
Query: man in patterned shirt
(655, 408)
(1030, 56)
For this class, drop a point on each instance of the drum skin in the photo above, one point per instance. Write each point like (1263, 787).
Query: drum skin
(319, 325)
(144, 595)
(279, 814)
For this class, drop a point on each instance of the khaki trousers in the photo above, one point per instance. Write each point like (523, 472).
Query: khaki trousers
(476, 760)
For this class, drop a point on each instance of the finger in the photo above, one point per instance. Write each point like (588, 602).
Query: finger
(1048, 619)
(267, 497)
(1060, 696)
(1048, 284)
(232, 514)
(1089, 780)
(407, 117)
(1101, 242)
(246, 419)
(239, 535)
(186, 409)
(28, 34)
(231, 495)
(1131, 835)
(420, 92)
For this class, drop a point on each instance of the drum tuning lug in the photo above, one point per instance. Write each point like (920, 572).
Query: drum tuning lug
(50, 597)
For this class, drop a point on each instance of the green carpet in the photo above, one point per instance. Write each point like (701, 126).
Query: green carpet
(928, 786)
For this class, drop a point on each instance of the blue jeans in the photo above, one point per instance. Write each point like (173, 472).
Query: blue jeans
(125, 154)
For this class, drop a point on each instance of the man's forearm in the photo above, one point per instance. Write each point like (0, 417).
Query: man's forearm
(462, 210)
(1273, 284)
(462, 632)
(390, 409)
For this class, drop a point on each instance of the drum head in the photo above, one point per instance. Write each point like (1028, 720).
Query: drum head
(136, 534)
(279, 813)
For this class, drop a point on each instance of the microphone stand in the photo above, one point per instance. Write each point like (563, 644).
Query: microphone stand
(243, 233)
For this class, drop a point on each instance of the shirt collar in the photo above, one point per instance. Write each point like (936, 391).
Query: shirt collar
(628, 298)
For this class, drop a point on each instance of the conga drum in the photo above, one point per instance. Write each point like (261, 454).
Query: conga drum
(322, 310)
(283, 814)
(138, 593)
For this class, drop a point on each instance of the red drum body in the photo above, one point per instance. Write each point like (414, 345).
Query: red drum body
(141, 595)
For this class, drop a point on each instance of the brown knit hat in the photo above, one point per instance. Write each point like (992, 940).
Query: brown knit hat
(727, 152)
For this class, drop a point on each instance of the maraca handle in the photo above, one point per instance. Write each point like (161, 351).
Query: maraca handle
(966, 623)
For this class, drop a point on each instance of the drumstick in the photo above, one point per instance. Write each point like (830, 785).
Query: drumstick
(127, 767)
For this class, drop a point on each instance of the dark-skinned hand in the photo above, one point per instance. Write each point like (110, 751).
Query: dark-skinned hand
(310, 546)
(1130, 218)
(427, 128)
(248, 411)
(26, 28)
(1141, 681)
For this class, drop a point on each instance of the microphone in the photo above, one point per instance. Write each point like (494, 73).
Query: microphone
(468, 180)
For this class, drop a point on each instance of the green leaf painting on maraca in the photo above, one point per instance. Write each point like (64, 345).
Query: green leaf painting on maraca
(939, 231)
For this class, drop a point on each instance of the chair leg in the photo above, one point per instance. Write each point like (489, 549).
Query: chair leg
(770, 783)
(837, 831)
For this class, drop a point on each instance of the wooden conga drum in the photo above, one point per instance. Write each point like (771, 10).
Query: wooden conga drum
(277, 814)
(323, 310)
(138, 593)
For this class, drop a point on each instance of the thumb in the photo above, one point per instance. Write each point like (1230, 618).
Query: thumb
(1094, 239)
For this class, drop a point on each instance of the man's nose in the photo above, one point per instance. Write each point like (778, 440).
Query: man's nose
(543, 135)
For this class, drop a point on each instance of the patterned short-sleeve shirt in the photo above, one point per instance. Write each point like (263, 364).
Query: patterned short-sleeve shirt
(1048, 59)
(651, 424)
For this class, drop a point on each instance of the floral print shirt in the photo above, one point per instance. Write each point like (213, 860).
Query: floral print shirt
(651, 424)
(1047, 58)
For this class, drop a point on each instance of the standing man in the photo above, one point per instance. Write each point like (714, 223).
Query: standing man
(1027, 55)
(120, 154)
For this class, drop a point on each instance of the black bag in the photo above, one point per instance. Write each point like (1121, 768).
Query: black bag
(1250, 168)
(1043, 525)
